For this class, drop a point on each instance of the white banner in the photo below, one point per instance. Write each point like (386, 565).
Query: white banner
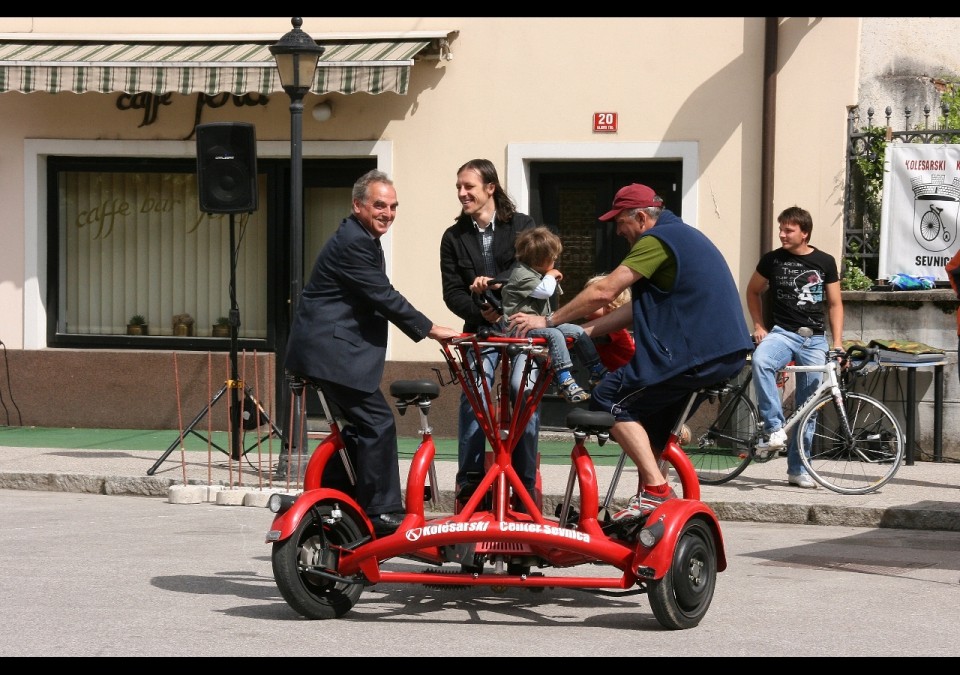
(921, 201)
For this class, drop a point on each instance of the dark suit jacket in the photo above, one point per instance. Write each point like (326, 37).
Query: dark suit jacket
(339, 332)
(461, 261)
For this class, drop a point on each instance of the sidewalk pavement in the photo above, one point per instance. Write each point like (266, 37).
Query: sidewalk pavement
(924, 496)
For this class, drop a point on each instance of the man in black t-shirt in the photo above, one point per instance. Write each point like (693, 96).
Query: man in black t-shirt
(805, 297)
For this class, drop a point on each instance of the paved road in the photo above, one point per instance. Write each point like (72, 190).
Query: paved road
(95, 575)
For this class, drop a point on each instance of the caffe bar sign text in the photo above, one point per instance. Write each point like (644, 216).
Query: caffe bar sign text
(150, 104)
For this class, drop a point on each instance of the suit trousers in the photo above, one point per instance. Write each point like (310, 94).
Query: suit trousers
(370, 438)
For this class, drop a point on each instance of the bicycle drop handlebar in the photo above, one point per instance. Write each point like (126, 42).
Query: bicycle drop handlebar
(857, 357)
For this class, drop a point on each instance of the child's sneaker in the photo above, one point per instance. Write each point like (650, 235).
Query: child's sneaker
(573, 392)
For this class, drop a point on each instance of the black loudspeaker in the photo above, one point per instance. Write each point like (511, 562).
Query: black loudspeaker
(227, 167)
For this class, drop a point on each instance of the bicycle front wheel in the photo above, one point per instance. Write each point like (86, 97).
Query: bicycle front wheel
(854, 459)
(722, 432)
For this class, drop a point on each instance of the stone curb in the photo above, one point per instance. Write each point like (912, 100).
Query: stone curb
(101, 485)
(896, 517)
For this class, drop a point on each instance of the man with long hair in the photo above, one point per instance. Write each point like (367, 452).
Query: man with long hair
(477, 248)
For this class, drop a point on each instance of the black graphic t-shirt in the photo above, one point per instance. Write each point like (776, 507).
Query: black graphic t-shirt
(797, 286)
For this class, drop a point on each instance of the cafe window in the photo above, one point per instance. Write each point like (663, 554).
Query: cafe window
(127, 237)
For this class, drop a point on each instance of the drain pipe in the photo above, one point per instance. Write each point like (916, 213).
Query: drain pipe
(768, 132)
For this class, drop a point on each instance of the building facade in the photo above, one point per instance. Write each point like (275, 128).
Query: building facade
(732, 119)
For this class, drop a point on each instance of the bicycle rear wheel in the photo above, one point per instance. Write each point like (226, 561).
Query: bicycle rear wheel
(722, 433)
(861, 462)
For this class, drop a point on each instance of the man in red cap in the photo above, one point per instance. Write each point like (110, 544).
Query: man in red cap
(687, 322)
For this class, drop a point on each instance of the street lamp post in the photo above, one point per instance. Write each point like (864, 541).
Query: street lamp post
(297, 55)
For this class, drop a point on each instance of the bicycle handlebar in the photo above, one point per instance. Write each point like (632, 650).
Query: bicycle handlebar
(491, 337)
(858, 357)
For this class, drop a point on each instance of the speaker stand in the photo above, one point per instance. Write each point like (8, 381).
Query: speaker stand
(233, 384)
(261, 418)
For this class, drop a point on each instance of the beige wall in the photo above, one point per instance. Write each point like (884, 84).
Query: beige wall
(528, 80)
(816, 82)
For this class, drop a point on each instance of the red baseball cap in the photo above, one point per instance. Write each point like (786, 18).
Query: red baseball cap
(633, 196)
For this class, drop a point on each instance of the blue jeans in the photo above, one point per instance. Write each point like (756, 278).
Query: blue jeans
(775, 351)
(556, 338)
(472, 441)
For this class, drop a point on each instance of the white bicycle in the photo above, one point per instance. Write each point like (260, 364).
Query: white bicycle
(857, 442)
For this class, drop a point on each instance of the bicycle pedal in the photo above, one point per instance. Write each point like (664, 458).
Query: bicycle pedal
(762, 455)
(573, 516)
(625, 529)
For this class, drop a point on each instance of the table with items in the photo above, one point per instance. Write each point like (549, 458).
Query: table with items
(912, 356)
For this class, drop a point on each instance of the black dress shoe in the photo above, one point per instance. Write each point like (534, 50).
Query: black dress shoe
(386, 523)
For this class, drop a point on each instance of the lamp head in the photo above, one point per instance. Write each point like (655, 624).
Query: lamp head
(296, 55)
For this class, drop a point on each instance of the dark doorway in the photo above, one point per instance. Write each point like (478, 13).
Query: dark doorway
(570, 197)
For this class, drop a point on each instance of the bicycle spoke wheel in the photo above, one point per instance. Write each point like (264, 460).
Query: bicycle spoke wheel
(861, 462)
(930, 225)
(722, 432)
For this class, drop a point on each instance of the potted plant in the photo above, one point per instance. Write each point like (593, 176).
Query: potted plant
(183, 324)
(221, 328)
(137, 325)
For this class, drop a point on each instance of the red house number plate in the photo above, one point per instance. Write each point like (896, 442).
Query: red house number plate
(605, 121)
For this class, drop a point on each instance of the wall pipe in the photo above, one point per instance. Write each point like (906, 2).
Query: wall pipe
(768, 132)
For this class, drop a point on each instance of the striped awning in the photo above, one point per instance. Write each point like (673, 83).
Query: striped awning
(54, 66)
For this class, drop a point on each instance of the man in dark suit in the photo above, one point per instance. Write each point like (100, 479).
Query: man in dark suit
(473, 251)
(339, 337)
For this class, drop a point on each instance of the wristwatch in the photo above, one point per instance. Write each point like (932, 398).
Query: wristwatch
(549, 319)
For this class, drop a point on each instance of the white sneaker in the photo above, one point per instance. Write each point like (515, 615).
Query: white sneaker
(776, 441)
(802, 480)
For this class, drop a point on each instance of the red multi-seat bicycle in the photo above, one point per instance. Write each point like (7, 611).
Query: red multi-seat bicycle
(325, 551)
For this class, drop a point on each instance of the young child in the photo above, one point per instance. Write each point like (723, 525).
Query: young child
(532, 282)
(616, 348)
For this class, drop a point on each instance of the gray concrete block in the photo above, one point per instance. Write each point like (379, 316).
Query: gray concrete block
(211, 493)
(258, 497)
(231, 497)
(186, 494)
